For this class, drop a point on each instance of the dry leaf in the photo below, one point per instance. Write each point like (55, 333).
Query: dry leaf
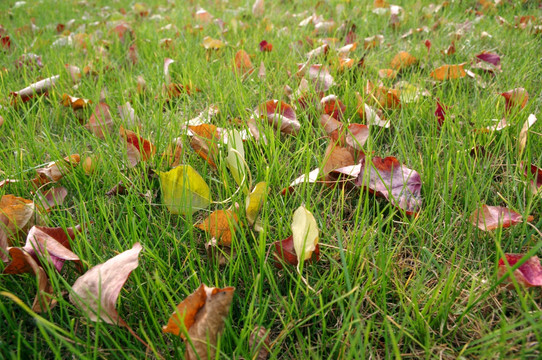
(220, 225)
(402, 61)
(202, 316)
(100, 122)
(242, 64)
(304, 233)
(75, 103)
(96, 292)
(515, 98)
(54, 171)
(38, 88)
(529, 274)
(524, 131)
(448, 72)
(492, 217)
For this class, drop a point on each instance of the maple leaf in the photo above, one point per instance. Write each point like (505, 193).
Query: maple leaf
(220, 225)
(528, 274)
(489, 218)
(201, 316)
(96, 291)
(389, 178)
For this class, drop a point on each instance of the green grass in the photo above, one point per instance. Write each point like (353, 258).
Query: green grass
(387, 285)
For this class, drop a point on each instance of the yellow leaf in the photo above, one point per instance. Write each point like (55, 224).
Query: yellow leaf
(212, 44)
(305, 233)
(447, 72)
(236, 156)
(254, 203)
(184, 190)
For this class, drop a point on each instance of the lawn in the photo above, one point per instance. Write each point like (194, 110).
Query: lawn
(398, 267)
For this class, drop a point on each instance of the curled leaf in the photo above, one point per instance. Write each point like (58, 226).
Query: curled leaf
(74, 102)
(280, 115)
(515, 98)
(100, 122)
(304, 233)
(254, 203)
(38, 88)
(96, 291)
(528, 274)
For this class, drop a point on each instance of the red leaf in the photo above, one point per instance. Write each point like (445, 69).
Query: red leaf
(6, 42)
(440, 113)
(536, 173)
(515, 97)
(285, 251)
(332, 106)
(490, 57)
(265, 46)
(389, 178)
(100, 121)
(528, 274)
(280, 115)
(492, 217)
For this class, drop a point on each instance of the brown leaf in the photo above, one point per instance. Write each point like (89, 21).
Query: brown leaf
(536, 174)
(105, 281)
(492, 217)
(38, 88)
(384, 97)
(56, 170)
(220, 225)
(174, 152)
(332, 106)
(202, 315)
(259, 343)
(51, 198)
(205, 142)
(51, 245)
(100, 122)
(336, 157)
(137, 147)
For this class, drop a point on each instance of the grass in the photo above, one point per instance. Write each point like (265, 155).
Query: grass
(387, 285)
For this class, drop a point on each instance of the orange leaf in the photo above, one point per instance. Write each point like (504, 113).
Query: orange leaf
(243, 65)
(448, 72)
(402, 61)
(220, 225)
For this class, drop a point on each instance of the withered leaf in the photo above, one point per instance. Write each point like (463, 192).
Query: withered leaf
(96, 292)
(220, 225)
(492, 217)
(389, 178)
(202, 316)
(528, 274)
(100, 122)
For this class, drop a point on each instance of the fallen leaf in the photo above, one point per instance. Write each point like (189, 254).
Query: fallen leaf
(202, 316)
(242, 64)
(235, 159)
(440, 113)
(318, 74)
(387, 177)
(220, 225)
(332, 106)
(280, 115)
(492, 217)
(450, 50)
(384, 97)
(259, 343)
(515, 98)
(373, 42)
(261, 71)
(51, 245)
(184, 191)
(38, 88)
(51, 198)
(448, 72)
(265, 46)
(18, 213)
(30, 61)
(311, 177)
(22, 262)
(96, 291)
(54, 171)
(258, 8)
(536, 174)
(528, 274)
(174, 152)
(204, 141)
(403, 60)
(524, 131)
(304, 233)
(254, 203)
(137, 147)
(100, 122)
(212, 44)
(75, 73)
(490, 58)
(387, 73)
(74, 102)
